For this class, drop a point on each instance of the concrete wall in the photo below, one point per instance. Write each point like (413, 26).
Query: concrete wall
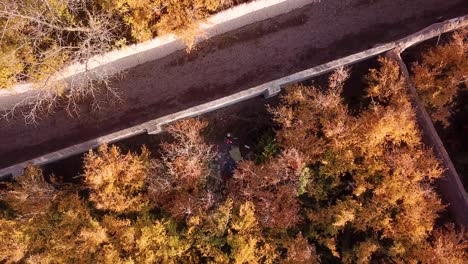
(133, 55)
(450, 185)
(154, 126)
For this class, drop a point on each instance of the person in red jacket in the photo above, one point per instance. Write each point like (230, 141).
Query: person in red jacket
(228, 139)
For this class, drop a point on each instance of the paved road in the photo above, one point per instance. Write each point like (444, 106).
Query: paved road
(255, 54)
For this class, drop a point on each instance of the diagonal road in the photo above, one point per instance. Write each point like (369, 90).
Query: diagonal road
(255, 54)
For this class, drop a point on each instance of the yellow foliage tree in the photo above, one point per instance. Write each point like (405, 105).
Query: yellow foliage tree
(208, 234)
(160, 243)
(441, 74)
(40, 37)
(149, 18)
(122, 234)
(245, 238)
(66, 234)
(116, 180)
(367, 173)
(29, 194)
(13, 241)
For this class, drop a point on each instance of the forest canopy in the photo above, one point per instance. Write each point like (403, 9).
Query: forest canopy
(344, 187)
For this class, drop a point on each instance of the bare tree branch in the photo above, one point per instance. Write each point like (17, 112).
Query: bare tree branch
(56, 41)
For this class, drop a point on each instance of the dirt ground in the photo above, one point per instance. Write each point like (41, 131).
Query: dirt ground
(238, 60)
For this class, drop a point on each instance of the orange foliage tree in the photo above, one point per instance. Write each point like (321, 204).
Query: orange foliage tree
(272, 187)
(179, 183)
(442, 73)
(29, 194)
(13, 241)
(358, 165)
(116, 180)
(447, 245)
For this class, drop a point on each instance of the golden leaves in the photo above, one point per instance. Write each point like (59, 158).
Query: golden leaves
(245, 238)
(157, 245)
(367, 172)
(30, 194)
(13, 241)
(117, 181)
(441, 74)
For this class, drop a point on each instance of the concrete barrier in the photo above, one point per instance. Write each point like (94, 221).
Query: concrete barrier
(268, 89)
(450, 185)
(155, 126)
(128, 57)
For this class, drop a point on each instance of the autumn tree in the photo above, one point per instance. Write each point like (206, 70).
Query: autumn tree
(117, 180)
(13, 241)
(66, 233)
(148, 18)
(441, 74)
(358, 165)
(303, 123)
(317, 124)
(447, 245)
(235, 228)
(395, 159)
(179, 183)
(204, 239)
(300, 251)
(160, 242)
(208, 233)
(272, 187)
(122, 233)
(246, 240)
(40, 38)
(29, 194)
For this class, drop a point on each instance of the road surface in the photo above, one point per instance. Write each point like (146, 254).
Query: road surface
(252, 55)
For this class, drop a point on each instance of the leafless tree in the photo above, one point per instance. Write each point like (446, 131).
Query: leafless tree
(80, 35)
